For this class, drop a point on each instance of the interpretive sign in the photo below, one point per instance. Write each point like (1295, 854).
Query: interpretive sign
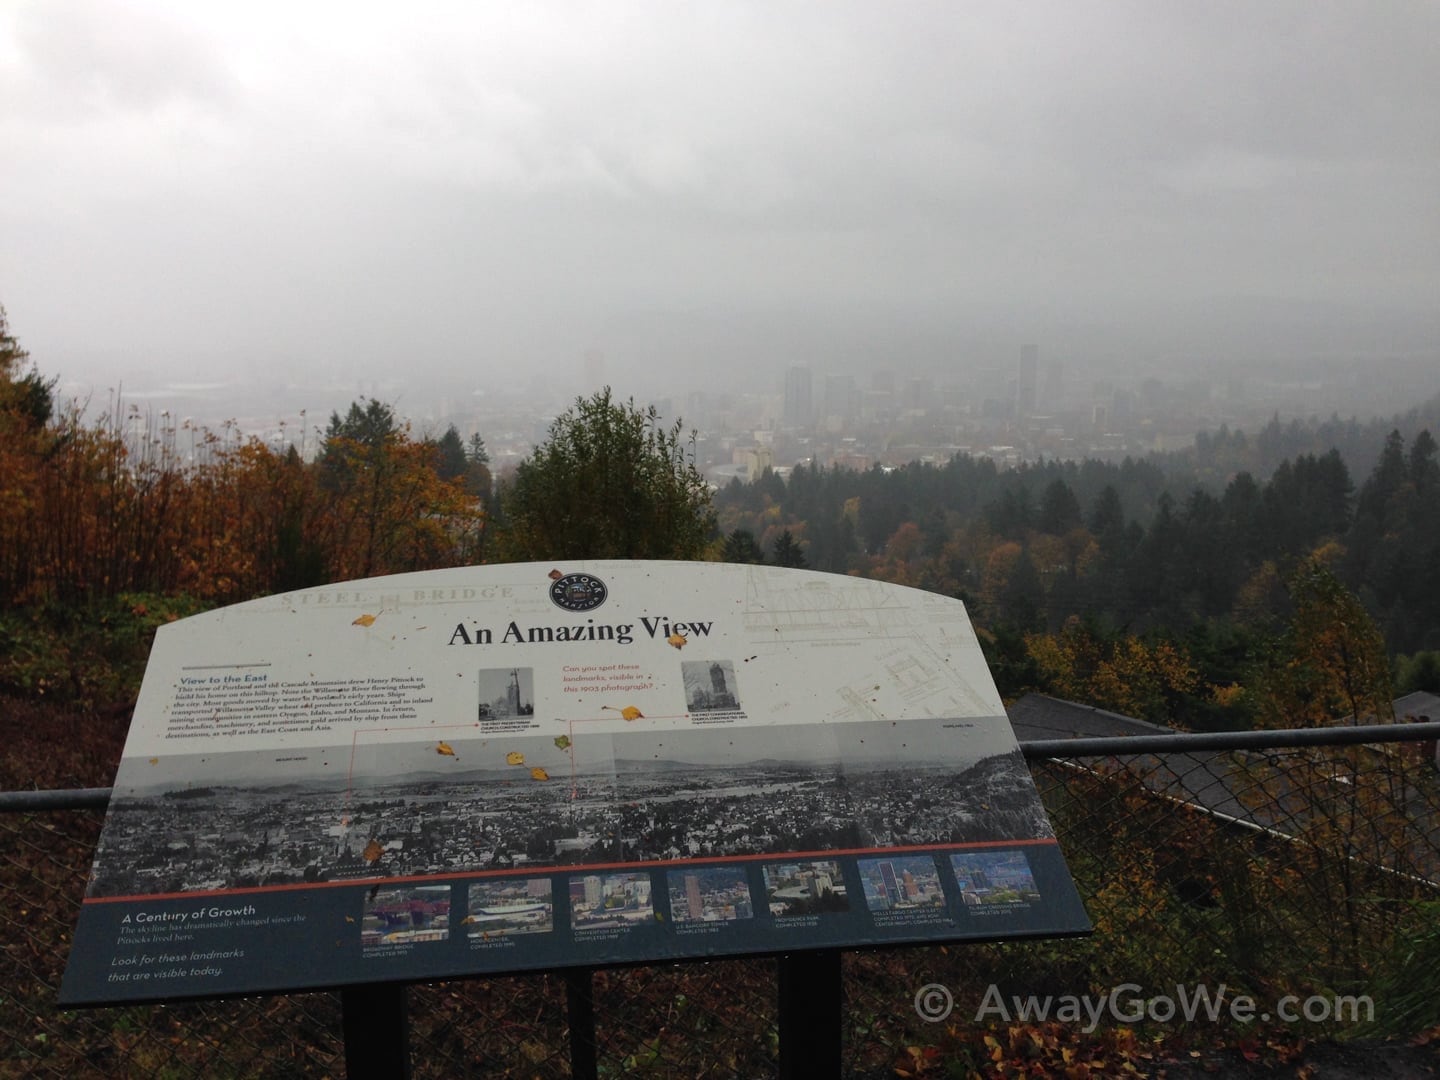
(518, 767)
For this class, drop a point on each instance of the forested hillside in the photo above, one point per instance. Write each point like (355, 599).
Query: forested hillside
(1107, 583)
(1032, 546)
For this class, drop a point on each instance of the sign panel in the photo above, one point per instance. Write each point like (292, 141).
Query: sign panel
(520, 767)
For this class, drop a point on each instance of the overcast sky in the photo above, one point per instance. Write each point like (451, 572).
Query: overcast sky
(216, 189)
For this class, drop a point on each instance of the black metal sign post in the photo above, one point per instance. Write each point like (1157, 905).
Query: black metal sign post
(580, 1008)
(810, 1014)
(376, 1024)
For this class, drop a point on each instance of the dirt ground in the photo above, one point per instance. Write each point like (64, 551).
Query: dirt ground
(1318, 1061)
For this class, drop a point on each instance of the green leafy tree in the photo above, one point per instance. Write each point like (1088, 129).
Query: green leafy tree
(1329, 663)
(1418, 672)
(608, 482)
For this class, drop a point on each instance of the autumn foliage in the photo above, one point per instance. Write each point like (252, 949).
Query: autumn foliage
(130, 519)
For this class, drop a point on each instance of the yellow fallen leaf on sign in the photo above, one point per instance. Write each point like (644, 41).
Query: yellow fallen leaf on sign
(154, 761)
(364, 620)
(444, 748)
(562, 741)
(538, 773)
(629, 712)
(678, 640)
(514, 758)
(372, 851)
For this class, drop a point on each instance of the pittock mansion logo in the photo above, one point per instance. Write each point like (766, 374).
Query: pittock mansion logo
(578, 592)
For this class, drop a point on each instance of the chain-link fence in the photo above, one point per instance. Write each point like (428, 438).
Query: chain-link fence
(1303, 874)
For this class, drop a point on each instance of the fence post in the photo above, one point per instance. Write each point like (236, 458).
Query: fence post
(376, 1025)
(810, 1013)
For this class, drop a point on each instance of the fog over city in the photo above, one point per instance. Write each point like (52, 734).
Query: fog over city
(478, 212)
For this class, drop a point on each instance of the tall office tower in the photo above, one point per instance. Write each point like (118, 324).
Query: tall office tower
(839, 399)
(919, 394)
(799, 409)
(1052, 391)
(1027, 386)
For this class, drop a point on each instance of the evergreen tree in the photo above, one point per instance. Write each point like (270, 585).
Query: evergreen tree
(786, 552)
(478, 479)
(453, 464)
(475, 452)
(1059, 509)
(740, 547)
(355, 441)
(25, 399)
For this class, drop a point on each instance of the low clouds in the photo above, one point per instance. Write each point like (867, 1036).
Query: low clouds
(337, 182)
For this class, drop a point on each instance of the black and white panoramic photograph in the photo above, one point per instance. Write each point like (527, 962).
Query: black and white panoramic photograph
(760, 789)
(506, 693)
(405, 915)
(710, 686)
(505, 906)
(248, 819)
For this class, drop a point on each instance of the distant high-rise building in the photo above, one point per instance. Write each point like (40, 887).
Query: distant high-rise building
(919, 394)
(1027, 385)
(839, 407)
(1052, 391)
(799, 411)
